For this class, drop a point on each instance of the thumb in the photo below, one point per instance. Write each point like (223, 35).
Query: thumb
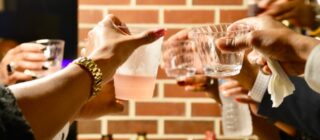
(147, 37)
(233, 45)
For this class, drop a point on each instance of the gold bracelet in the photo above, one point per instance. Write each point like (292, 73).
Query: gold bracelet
(94, 71)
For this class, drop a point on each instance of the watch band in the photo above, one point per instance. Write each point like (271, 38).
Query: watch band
(94, 71)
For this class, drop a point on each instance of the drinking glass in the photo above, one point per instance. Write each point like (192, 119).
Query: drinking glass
(217, 63)
(53, 51)
(179, 58)
(136, 78)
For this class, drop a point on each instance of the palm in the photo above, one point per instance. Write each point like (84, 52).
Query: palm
(102, 104)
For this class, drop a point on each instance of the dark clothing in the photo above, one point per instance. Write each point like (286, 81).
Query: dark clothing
(301, 110)
(13, 126)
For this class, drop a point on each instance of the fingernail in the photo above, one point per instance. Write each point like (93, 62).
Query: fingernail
(50, 59)
(159, 33)
(44, 68)
(43, 49)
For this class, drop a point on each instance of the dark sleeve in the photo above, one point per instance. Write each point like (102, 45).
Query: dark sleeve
(301, 109)
(13, 126)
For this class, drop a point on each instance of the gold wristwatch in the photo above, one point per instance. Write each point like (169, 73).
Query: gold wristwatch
(95, 73)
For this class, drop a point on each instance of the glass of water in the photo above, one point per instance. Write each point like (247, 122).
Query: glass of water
(53, 51)
(179, 58)
(217, 63)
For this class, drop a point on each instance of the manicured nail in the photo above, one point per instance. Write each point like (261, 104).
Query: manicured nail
(159, 33)
(44, 68)
(34, 77)
(50, 59)
(43, 49)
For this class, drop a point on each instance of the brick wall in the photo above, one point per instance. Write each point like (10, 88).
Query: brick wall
(173, 114)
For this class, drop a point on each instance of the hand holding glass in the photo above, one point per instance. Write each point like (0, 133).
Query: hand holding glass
(217, 63)
(136, 78)
(179, 58)
(53, 51)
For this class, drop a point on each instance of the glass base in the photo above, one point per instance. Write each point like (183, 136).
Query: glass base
(222, 70)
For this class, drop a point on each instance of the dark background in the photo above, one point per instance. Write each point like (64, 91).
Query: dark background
(28, 20)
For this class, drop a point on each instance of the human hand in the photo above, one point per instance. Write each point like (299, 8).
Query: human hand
(167, 51)
(201, 83)
(233, 89)
(298, 11)
(112, 46)
(103, 104)
(273, 40)
(27, 56)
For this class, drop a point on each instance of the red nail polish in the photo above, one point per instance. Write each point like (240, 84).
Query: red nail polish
(159, 32)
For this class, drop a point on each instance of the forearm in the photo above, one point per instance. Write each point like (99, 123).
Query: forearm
(49, 103)
(303, 45)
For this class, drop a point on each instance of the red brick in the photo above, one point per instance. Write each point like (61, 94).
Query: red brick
(206, 109)
(83, 34)
(105, 2)
(217, 2)
(228, 16)
(132, 127)
(187, 127)
(189, 16)
(179, 92)
(160, 109)
(161, 2)
(136, 16)
(90, 16)
(89, 126)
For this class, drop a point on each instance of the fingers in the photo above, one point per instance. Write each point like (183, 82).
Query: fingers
(264, 4)
(177, 54)
(233, 89)
(285, 16)
(30, 47)
(226, 44)
(181, 35)
(255, 58)
(110, 21)
(198, 80)
(194, 88)
(245, 100)
(27, 65)
(278, 9)
(19, 76)
(35, 57)
(135, 41)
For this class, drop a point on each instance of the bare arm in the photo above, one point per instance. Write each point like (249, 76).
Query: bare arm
(49, 103)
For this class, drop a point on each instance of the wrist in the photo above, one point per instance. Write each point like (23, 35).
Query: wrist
(94, 72)
(303, 45)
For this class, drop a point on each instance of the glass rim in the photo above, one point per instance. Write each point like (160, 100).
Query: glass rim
(203, 30)
(43, 41)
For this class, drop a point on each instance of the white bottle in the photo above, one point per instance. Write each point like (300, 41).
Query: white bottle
(236, 117)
